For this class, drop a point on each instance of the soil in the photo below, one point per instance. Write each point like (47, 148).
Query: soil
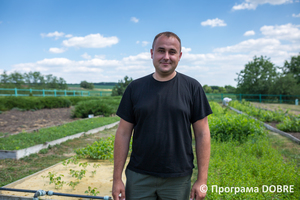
(16, 121)
(295, 134)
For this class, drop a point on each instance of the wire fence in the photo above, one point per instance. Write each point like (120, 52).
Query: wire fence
(262, 98)
(55, 93)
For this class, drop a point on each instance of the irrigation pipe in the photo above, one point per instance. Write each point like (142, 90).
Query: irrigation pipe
(38, 193)
(294, 139)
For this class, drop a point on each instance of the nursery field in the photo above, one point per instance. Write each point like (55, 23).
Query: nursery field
(295, 109)
(247, 162)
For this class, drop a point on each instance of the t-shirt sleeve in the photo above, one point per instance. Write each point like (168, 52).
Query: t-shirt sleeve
(125, 110)
(201, 107)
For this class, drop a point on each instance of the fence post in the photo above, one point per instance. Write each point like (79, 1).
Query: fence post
(100, 94)
(259, 98)
(55, 92)
(30, 91)
(16, 92)
(221, 96)
(240, 97)
(74, 93)
(43, 92)
(280, 97)
(89, 93)
(65, 92)
(81, 93)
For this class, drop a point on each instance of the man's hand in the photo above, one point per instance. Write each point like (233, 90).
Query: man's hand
(198, 191)
(118, 188)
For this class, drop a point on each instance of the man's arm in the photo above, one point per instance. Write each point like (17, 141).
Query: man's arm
(121, 147)
(202, 139)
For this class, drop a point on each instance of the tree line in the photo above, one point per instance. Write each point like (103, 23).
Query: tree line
(32, 80)
(261, 76)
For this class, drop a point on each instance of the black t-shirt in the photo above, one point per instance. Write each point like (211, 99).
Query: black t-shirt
(162, 114)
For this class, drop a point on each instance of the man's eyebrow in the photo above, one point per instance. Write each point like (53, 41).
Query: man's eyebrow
(162, 48)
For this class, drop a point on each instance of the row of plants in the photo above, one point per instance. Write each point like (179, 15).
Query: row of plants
(25, 140)
(288, 122)
(36, 103)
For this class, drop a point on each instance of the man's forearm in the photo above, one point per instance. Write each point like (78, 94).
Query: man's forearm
(121, 148)
(203, 155)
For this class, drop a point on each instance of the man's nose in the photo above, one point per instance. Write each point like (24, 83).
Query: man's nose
(166, 56)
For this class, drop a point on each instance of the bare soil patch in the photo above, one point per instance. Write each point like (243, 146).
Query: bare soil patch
(273, 106)
(16, 121)
(295, 134)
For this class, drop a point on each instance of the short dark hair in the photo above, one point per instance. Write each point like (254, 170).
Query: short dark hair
(167, 34)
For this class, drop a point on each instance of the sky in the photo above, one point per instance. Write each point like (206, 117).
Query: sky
(106, 40)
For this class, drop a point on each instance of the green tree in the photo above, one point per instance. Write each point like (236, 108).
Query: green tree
(293, 67)
(230, 89)
(4, 77)
(207, 89)
(86, 85)
(119, 88)
(16, 78)
(257, 77)
(286, 84)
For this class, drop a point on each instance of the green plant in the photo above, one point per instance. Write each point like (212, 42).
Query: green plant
(55, 179)
(43, 151)
(78, 174)
(94, 173)
(84, 165)
(92, 192)
(73, 184)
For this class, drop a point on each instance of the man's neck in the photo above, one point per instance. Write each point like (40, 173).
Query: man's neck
(158, 77)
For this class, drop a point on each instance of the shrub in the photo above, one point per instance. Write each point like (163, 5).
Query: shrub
(96, 107)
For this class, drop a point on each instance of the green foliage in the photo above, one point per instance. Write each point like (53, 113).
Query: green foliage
(31, 79)
(35, 103)
(56, 179)
(286, 84)
(86, 85)
(257, 77)
(102, 149)
(92, 192)
(251, 164)
(289, 123)
(293, 67)
(216, 108)
(78, 174)
(234, 127)
(96, 107)
(119, 89)
(25, 140)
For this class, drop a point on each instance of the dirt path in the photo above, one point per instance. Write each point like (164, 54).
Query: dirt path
(15, 121)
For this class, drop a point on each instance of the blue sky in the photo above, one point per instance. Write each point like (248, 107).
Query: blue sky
(103, 41)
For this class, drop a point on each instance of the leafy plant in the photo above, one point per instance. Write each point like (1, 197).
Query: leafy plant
(92, 192)
(56, 179)
(78, 174)
(73, 184)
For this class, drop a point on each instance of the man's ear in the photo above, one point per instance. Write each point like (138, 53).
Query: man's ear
(180, 55)
(151, 51)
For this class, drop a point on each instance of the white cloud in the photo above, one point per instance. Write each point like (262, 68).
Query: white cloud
(145, 43)
(68, 35)
(134, 19)
(214, 22)
(288, 32)
(86, 56)
(252, 4)
(57, 50)
(137, 42)
(91, 41)
(55, 34)
(249, 33)
(100, 56)
(294, 15)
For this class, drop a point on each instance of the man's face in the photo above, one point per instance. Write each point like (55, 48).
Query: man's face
(166, 55)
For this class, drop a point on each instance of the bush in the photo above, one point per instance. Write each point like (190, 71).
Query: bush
(33, 103)
(96, 107)
(234, 127)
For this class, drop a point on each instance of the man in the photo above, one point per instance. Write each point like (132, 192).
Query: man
(160, 108)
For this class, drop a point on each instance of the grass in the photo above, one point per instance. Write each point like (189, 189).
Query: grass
(25, 140)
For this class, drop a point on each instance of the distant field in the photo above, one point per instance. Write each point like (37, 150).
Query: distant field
(97, 87)
(272, 106)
